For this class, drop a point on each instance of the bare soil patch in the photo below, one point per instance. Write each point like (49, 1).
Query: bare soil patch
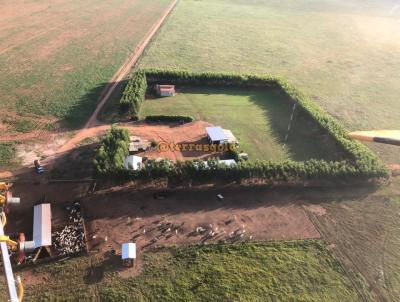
(192, 216)
(167, 133)
(315, 209)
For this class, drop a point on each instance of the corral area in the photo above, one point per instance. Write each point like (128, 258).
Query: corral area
(178, 217)
(56, 57)
(342, 54)
(258, 118)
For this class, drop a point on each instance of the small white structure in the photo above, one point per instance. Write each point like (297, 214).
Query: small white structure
(42, 225)
(216, 135)
(128, 254)
(227, 162)
(133, 162)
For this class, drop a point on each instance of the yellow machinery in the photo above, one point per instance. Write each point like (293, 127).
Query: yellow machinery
(6, 243)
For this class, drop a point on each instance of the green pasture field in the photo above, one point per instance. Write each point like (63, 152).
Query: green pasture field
(259, 119)
(343, 54)
(57, 58)
(274, 271)
(363, 229)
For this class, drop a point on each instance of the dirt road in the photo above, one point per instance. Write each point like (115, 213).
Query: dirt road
(127, 66)
(191, 132)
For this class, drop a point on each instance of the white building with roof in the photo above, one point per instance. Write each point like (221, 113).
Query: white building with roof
(133, 162)
(42, 225)
(216, 135)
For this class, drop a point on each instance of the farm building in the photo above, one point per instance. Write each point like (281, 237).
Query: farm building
(137, 144)
(128, 254)
(133, 162)
(227, 162)
(165, 90)
(217, 135)
(42, 225)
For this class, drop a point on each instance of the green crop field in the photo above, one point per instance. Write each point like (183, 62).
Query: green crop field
(363, 227)
(344, 54)
(257, 117)
(55, 57)
(276, 271)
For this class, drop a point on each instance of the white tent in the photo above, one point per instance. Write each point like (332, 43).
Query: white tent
(133, 162)
(128, 251)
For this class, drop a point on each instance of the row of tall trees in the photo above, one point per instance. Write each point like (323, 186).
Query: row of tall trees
(113, 150)
(134, 94)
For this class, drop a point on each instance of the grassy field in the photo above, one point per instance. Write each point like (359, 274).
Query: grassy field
(7, 151)
(258, 118)
(275, 271)
(363, 229)
(344, 54)
(56, 57)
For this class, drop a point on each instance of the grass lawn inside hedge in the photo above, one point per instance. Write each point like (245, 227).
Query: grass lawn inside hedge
(257, 117)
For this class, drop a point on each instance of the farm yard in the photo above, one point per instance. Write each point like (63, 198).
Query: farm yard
(343, 54)
(258, 118)
(288, 269)
(57, 57)
(311, 218)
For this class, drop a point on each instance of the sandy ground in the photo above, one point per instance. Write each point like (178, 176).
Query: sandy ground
(53, 146)
(193, 217)
(169, 133)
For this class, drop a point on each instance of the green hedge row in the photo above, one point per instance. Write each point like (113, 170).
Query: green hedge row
(361, 160)
(288, 171)
(169, 118)
(134, 94)
(361, 163)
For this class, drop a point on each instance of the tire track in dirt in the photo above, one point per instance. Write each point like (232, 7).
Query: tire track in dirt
(127, 66)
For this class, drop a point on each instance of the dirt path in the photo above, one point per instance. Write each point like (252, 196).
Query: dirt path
(127, 66)
(88, 129)
(113, 83)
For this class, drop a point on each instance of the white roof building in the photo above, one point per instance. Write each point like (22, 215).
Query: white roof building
(216, 135)
(133, 162)
(128, 251)
(42, 225)
(227, 162)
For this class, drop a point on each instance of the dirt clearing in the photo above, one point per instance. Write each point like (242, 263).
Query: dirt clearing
(181, 217)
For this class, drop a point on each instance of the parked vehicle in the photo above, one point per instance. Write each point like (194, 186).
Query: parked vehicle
(38, 167)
